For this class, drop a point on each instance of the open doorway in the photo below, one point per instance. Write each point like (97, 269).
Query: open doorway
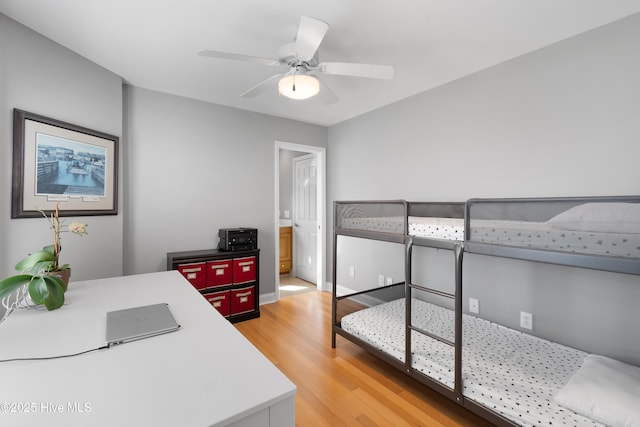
(300, 216)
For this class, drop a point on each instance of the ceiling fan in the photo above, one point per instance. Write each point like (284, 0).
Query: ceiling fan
(301, 67)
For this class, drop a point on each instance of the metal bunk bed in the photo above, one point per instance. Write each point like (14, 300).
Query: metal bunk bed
(402, 222)
(484, 234)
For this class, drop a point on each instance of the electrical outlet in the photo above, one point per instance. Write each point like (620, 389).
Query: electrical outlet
(380, 280)
(389, 281)
(474, 306)
(352, 272)
(526, 320)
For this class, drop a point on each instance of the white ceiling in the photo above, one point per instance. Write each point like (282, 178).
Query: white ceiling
(153, 44)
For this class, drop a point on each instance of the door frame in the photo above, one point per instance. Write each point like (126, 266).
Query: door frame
(320, 153)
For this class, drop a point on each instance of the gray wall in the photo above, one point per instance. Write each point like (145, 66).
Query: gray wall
(42, 77)
(561, 121)
(194, 167)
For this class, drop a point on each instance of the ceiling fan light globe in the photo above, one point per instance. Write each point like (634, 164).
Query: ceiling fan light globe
(298, 86)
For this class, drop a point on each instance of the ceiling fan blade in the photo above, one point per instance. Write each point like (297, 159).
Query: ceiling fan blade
(311, 31)
(262, 86)
(237, 57)
(357, 70)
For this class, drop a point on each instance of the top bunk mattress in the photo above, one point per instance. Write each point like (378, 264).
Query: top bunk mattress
(430, 227)
(603, 228)
(435, 220)
(547, 237)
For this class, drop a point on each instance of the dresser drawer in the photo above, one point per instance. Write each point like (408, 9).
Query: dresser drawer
(244, 270)
(219, 273)
(243, 300)
(195, 273)
(221, 301)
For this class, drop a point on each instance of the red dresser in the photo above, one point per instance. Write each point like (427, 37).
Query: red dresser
(227, 280)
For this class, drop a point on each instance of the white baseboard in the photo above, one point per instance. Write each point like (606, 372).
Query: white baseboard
(267, 298)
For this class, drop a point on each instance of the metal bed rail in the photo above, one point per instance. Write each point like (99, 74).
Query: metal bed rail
(592, 262)
(363, 209)
(371, 235)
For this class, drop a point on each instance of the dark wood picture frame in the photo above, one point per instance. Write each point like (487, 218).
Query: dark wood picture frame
(58, 163)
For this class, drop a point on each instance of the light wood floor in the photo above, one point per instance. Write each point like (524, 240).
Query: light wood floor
(291, 285)
(345, 386)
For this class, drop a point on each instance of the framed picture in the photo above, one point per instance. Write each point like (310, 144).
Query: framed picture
(59, 163)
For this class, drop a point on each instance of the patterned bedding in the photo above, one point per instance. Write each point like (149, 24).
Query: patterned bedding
(438, 228)
(538, 235)
(514, 374)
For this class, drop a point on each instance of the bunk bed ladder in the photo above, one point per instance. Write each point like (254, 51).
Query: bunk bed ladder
(456, 296)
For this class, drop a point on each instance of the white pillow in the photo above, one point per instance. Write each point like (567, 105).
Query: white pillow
(600, 217)
(605, 390)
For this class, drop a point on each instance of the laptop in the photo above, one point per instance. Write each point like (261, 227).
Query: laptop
(137, 323)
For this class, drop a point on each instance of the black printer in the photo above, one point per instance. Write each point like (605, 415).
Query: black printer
(237, 239)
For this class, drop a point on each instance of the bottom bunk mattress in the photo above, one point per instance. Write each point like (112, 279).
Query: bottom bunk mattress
(512, 373)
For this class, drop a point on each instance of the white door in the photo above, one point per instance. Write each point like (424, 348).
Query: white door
(305, 221)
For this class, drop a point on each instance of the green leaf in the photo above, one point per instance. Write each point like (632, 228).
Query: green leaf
(42, 266)
(32, 260)
(55, 285)
(38, 290)
(10, 284)
(46, 290)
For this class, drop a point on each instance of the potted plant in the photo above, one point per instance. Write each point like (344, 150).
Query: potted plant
(41, 275)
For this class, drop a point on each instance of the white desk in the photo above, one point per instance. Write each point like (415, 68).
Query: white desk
(205, 374)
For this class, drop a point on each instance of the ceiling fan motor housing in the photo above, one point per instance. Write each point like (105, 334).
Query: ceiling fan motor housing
(287, 56)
